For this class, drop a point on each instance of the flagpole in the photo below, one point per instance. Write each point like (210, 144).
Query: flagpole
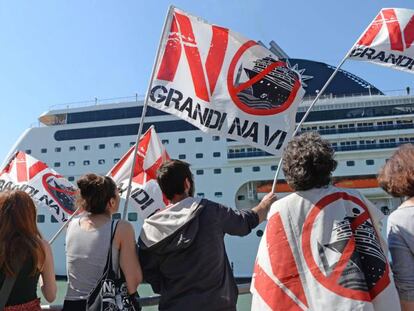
(64, 226)
(308, 111)
(144, 109)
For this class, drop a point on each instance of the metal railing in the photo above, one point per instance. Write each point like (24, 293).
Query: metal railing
(358, 129)
(96, 101)
(153, 300)
(396, 92)
(137, 97)
(354, 147)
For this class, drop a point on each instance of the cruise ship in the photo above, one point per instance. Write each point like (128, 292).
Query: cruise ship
(363, 124)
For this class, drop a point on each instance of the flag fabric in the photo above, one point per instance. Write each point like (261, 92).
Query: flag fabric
(322, 250)
(146, 195)
(47, 188)
(388, 40)
(225, 84)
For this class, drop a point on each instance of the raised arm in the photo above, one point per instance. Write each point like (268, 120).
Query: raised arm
(241, 222)
(47, 274)
(128, 258)
(263, 207)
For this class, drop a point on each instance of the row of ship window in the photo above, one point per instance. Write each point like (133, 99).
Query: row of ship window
(199, 155)
(236, 170)
(255, 168)
(118, 145)
(197, 139)
(241, 152)
(375, 141)
(216, 171)
(85, 148)
(326, 129)
(217, 154)
(131, 217)
(102, 161)
(85, 162)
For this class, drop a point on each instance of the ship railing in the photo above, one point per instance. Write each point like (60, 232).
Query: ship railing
(352, 147)
(97, 101)
(398, 92)
(357, 129)
(139, 97)
(153, 300)
(331, 98)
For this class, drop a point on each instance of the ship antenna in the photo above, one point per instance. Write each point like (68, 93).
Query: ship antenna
(239, 73)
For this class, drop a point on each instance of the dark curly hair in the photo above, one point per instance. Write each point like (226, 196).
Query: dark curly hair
(397, 175)
(95, 192)
(308, 162)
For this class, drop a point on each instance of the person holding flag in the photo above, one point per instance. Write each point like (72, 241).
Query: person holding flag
(322, 248)
(181, 248)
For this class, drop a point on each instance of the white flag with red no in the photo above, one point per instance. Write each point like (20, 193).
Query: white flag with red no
(146, 195)
(225, 84)
(47, 188)
(322, 250)
(388, 40)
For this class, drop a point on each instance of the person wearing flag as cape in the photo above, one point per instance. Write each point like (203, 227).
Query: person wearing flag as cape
(322, 248)
(181, 248)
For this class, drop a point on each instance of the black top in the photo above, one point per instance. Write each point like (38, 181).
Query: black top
(190, 268)
(25, 287)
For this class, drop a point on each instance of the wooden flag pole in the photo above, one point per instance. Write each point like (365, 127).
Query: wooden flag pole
(167, 23)
(307, 113)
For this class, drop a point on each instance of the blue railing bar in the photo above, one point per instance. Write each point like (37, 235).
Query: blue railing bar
(153, 300)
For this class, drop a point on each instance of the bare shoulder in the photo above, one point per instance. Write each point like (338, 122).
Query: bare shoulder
(46, 246)
(125, 229)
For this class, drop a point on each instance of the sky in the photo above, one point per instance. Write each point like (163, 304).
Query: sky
(54, 52)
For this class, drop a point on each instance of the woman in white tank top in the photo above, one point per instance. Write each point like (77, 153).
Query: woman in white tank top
(88, 238)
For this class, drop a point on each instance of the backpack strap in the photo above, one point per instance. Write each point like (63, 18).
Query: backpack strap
(108, 265)
(7, 288)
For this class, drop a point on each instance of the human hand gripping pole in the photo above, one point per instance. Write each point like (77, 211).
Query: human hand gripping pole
(263, 207)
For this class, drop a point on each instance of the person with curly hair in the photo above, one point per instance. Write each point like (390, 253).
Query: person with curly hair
(322, 248)
(397, 179)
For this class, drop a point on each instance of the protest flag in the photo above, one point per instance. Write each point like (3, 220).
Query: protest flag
(329, 255)
(388, 40)
(47, 188)
(225, 84)
(145, 194)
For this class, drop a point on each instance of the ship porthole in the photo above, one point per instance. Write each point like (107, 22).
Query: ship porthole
(259, 233)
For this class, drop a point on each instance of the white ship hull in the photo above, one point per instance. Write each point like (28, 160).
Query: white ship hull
(225, 171)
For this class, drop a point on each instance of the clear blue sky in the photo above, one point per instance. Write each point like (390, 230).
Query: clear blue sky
(59, 51)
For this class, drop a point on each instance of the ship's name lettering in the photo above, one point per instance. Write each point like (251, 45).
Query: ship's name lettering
(214, 119)
(383, 56)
